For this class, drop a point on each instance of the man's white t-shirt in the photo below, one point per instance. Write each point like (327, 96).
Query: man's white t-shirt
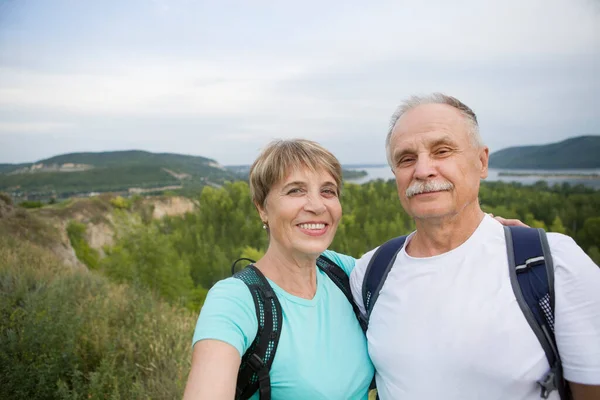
(449, 326)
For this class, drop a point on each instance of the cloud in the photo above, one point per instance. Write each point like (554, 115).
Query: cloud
(33, 127)
(224, 78)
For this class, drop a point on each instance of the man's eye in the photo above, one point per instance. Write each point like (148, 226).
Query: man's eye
(443, 150)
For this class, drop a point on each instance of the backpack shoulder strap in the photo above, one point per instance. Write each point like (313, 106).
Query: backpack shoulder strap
(256, 363)
(377, 271)
(531, 271)
(341, 280)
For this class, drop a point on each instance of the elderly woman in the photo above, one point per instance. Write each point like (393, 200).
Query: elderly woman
(321, 352)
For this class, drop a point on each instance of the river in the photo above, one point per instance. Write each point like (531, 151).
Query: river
(384, 172)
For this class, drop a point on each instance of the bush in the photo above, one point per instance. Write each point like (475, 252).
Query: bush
(31, 204)
(120, 203)
(75, 335)
(143, 256)
(83, 251)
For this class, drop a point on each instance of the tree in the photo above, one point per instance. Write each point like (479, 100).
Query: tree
(557, 226)
(594, 254)
(146, 257)
(589, 235)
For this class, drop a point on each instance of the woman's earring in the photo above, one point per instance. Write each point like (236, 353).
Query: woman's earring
(265, 226)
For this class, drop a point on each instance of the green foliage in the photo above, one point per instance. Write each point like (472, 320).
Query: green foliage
(121, 203)
(252, 253)
(31, 204)
(590, 233)
(74, 335)
(557, 226)
(594, 254)
(145, 257)
(87, 255)
(532, 222)
(196, 298)
(211, 238)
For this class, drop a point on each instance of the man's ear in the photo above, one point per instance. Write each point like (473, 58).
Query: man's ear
(484, 158)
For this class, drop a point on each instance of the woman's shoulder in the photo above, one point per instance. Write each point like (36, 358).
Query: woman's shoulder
(344, 261)
(228, 314)
(229, 291)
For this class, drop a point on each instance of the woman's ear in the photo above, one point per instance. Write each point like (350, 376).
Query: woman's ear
(261, 212)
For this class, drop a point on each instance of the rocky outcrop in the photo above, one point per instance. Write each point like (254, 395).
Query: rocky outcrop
(48, 226)
(171, 206)
(100, 235)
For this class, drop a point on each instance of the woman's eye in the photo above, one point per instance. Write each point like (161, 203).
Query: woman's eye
(295, 191)
(330, 192)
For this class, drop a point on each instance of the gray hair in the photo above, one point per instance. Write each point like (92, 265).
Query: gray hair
(434, 98)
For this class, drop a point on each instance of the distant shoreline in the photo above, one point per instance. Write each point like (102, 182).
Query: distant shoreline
(550, 175)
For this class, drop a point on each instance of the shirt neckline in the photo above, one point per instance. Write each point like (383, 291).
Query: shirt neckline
(299, 300)
(459, 249)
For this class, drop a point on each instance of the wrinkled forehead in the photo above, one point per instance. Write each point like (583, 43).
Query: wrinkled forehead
(429, 121)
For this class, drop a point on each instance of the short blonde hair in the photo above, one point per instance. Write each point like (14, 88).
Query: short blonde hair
(280, 157)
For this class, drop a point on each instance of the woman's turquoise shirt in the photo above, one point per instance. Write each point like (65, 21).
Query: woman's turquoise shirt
(322, 352)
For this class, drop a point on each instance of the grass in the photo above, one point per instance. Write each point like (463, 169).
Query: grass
(68, 334)
(24, 224)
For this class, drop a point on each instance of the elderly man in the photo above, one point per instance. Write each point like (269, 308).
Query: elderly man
(447, 323)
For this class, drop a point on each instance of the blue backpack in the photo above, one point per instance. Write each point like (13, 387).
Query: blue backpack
(532, 277)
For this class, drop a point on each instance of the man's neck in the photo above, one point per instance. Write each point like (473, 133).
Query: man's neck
(437, 236)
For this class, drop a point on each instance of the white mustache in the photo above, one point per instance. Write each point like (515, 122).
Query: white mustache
(427, 186)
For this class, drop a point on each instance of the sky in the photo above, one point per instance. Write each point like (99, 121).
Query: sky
(222, 78)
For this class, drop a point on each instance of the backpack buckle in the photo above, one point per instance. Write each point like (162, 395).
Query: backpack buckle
(548, 383)
(255, 362)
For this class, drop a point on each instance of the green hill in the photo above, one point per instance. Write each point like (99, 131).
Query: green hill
(70, 174)
(11, 167)
(130, 157)
(575, 153)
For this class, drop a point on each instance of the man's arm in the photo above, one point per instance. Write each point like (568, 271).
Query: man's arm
(577, 316)
(584, 392)
(214, 371)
